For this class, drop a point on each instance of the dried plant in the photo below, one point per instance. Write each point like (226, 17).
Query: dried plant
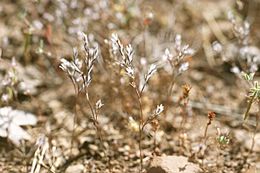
(211, 116)
(241, 53)
(241, 30)
(126, 62)
(154, 121)
(80, 73)
(39, 156)
(183, 102)
(177, 59)
(131, 76)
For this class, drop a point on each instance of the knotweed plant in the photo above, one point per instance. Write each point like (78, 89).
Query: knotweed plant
(126, 63)
(80, 73)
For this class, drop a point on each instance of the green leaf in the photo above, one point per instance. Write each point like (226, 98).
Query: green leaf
(248, 77)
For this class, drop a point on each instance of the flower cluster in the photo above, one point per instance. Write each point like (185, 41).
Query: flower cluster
(241, 30)
(126, 53)
(159, 110)
(176, 58)
(79, 70)
(10, 122)
(126, 62)
(240, 51)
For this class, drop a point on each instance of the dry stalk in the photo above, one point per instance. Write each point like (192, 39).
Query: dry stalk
(39, 155)
(211, 116)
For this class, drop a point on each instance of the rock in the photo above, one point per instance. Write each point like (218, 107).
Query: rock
(173, 164)
(79, 168)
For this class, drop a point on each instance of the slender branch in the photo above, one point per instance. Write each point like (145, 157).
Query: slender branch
(249, 105)
(154, 143)
(140, 126)
(173, 76)
(147, 121)
(141, 91)
(97, 126)
(90, 106)
(75, 112)
(205, 133)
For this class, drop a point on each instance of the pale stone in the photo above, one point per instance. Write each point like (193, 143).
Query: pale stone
(173, 164)
(79, 168)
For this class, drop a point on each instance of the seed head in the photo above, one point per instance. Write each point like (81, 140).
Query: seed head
(186, 90)
(159, 109)
(211, 116)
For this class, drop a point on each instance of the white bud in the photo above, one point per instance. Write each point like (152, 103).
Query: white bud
(183, 67)
(159, 109)
(99, 104)
(130, 71)
(152, 69)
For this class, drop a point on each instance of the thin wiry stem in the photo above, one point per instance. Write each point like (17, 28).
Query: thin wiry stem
(75, 112)
(184, 113)
(205, 133)
(255, 131)
(148, 120)
(154, 143)
(90, 106)
(141, 92)
(173, 76)
(249, 106)
(140, 127)
(94, 117)
(97, 126)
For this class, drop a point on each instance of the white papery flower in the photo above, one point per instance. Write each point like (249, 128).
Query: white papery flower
(167, 55)
(10, 122)
(114, 37)
(152, 69)
(69, 67)
(159, 109)
(183, 67)
(99, 104)
(130, 71)
(129, 53)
